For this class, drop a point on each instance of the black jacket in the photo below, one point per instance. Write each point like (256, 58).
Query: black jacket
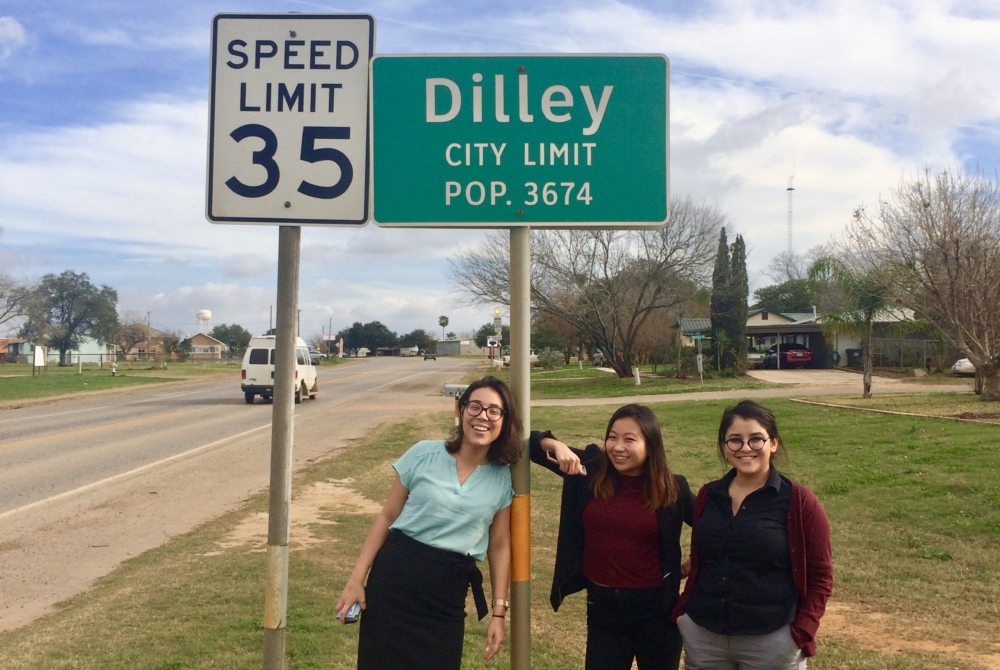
(576, 493)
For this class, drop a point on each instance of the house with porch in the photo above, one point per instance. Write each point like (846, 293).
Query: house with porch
(766, 328)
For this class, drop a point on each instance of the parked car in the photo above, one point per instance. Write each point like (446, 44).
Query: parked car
(258, 370)
(532, 359)
(316, 357)
(792, 356)
(430, 355)
(963, 366)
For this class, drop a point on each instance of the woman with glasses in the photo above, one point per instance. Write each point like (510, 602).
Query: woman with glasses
(761, 569)
(449, 507)
(619, 538)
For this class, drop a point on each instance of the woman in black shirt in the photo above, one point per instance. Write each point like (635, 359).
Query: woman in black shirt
(760, 558)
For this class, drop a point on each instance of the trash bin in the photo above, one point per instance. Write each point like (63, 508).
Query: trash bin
(853, 357)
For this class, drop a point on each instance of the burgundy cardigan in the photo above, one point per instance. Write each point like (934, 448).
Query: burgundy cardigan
(812, 565)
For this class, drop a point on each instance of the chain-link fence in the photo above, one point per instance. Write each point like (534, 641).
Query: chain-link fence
(909, 353)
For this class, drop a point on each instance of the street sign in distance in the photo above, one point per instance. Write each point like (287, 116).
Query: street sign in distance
(701, 360)
(698, 336)
(549, 141)
(288, 125)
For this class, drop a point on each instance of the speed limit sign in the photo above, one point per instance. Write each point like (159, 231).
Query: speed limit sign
(288, 127)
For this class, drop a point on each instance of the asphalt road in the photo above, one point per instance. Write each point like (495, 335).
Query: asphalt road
(91, 481)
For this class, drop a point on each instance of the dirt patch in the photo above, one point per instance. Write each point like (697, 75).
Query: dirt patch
(873, 631)
(977, 415)
(308, 509)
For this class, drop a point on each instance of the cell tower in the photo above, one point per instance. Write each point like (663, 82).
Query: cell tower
(789, 191)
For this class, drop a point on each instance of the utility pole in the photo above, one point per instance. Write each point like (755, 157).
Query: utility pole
(789, 191)
(149, 335)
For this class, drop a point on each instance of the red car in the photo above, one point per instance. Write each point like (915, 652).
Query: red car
(792, 356)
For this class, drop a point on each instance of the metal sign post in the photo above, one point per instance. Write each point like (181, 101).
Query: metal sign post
(288, 145)
(520, 142)
(282, 430)
(520, 512)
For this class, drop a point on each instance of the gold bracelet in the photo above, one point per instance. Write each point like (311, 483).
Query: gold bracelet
(499, 601)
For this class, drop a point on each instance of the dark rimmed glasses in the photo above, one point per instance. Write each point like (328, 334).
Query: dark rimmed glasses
(756, 443)
(493, 412)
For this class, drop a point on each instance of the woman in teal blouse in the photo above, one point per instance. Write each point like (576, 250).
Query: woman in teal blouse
(449, 506)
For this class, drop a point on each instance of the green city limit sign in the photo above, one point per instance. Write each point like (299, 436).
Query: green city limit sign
(498, 141)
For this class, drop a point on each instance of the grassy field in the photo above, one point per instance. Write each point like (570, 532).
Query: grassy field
(572, 382)
(914, 506)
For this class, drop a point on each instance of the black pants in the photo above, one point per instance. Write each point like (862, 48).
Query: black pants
(623, 624)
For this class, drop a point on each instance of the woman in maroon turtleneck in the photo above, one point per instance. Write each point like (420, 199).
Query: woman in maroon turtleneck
(619, 538)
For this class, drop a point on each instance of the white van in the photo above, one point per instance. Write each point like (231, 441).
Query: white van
(258, 370)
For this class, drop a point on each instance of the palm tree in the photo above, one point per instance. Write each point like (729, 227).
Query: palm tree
(864, 298)
(443, 322)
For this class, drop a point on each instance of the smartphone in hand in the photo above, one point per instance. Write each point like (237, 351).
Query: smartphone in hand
(353, 612)
(552, 457)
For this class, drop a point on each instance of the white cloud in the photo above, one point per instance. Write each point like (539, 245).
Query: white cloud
(136, 179)
(12, 36)
(247, 266)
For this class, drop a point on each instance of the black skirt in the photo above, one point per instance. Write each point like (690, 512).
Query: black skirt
(414, 615)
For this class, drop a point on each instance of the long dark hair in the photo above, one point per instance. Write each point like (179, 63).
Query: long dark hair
(507, 448)
(750, 410)
(658, 487)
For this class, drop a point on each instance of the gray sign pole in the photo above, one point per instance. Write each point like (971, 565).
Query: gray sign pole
(282, 429)
(520, 381)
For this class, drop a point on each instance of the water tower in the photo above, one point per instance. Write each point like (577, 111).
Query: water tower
(204, 321)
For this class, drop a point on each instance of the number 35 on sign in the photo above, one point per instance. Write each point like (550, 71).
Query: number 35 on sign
(288, 128)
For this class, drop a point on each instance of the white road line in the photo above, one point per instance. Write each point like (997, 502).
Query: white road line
(191, 452)
(157, 398)
(122, 475)
(123, 404)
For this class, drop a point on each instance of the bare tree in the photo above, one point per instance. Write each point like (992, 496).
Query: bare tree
(790, 266)
(937, 242)
(604, 283)
(131, 331)
(14, 299)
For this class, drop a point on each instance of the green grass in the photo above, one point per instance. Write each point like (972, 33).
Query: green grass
(914, 506)
(572, 382)
(17, 382)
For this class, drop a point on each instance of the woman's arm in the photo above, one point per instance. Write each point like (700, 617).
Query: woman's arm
(354, 592)
(567, 460)
(498, 555)
(819, 571)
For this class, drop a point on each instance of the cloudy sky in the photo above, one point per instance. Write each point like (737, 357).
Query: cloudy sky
(103, 130)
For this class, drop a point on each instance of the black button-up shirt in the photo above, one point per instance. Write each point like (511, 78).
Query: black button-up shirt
(745, 582)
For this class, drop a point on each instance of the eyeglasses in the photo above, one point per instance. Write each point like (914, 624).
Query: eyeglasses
(493, 412)
(756, 443)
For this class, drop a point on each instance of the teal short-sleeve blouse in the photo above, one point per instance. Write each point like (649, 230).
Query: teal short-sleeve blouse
(441, 512)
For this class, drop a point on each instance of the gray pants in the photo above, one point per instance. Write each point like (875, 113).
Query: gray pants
(705, 650)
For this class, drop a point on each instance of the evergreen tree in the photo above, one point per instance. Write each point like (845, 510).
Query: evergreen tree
(721, 306)
(740, 289)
